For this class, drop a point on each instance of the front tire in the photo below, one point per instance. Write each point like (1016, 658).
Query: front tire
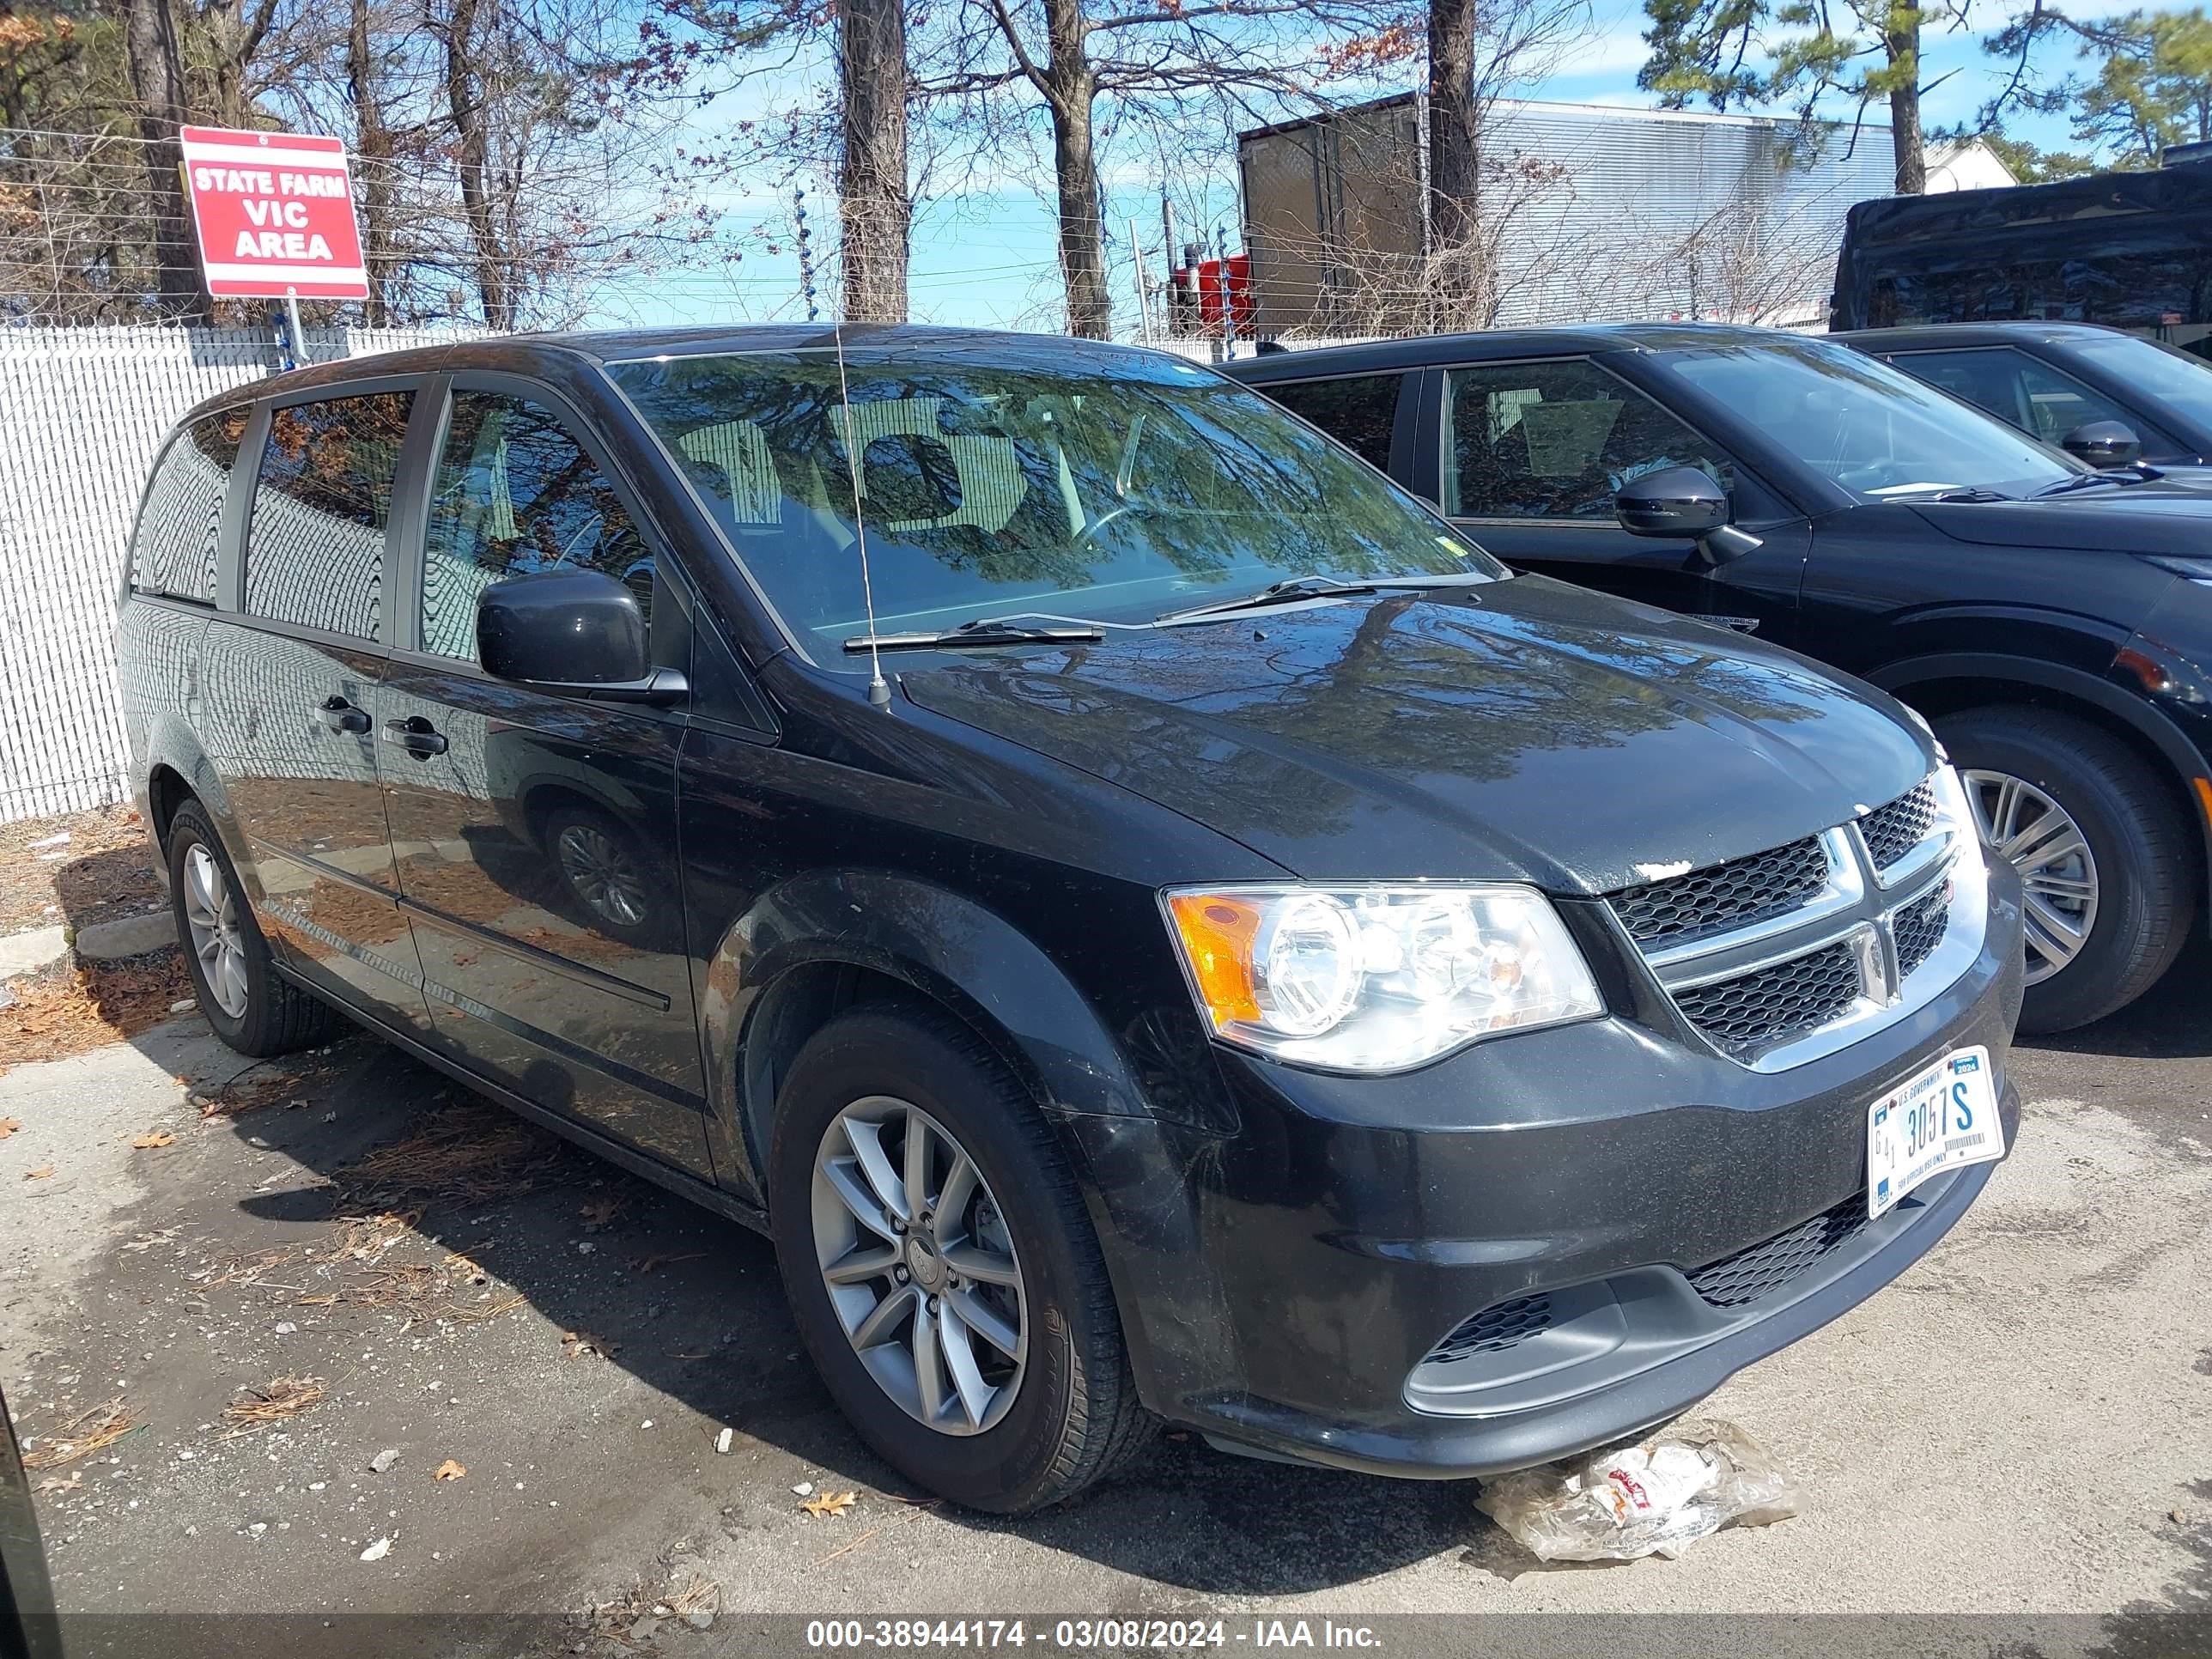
(941, 1267)
(2110, 884)
(234, 975)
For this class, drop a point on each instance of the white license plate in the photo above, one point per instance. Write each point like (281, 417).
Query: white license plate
(1945, 1118)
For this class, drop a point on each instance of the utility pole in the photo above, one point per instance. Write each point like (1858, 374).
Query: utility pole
(806, 254)
(1144, 299)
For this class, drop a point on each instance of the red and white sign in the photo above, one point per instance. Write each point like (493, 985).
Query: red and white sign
(274, 211)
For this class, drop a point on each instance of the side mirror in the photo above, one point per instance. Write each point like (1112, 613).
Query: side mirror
(1680, 502)
(1677, 501)
(579, 632)
(2103, 443)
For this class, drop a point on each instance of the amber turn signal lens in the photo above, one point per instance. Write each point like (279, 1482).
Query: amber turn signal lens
(1217, 941)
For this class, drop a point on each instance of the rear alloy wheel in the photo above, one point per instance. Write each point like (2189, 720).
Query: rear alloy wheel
(251, 1006)
(2108, 886)
(941, 1267)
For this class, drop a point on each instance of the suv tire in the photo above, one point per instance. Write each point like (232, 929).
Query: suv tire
(254, 1009)
(1070, 1415)
(2143, 876)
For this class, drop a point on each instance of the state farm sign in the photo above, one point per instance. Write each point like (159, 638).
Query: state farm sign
(274, 211)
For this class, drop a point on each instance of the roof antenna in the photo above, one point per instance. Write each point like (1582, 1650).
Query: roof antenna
(880, 691)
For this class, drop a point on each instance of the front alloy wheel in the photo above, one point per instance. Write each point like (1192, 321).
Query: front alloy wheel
(2058, 872)
(919, 1266)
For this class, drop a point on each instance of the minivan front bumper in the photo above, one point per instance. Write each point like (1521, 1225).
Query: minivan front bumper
(1641, 1220)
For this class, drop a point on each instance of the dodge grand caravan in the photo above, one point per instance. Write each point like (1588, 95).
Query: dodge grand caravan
(1152, 921)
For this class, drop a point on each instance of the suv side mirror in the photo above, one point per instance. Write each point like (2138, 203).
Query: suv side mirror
(1680, 502)
(575, 631)
(2103, 443)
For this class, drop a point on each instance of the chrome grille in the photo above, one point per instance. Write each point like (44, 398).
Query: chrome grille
(1771, 1004)
(1761, 1269)
(1785, 955)
(1501, 1326)
(1893, 830)
(1726, 896)
(1920, 928)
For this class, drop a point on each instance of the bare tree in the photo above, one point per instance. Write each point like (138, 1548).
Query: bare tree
(1131, 58)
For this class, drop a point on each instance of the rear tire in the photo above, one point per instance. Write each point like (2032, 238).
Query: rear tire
(1070, 1415)
(251, 1007)
(2136, 884)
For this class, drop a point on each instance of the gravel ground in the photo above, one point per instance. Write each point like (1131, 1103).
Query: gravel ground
(2017, 1426)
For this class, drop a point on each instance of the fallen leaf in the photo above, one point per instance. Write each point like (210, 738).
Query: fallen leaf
(599, 1211)
(152, 1138)
(449, 1470)
(574, 1345)
(38, 1173)
(9, 1126)
(55, 1483)
(831, 1503)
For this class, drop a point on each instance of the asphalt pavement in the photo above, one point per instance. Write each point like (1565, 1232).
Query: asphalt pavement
(350, 1258)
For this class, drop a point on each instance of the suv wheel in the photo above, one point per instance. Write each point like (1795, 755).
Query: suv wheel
(251, 1008)
(2107, 881)
(941, 1268)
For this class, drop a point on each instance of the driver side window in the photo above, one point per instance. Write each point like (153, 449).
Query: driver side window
(1556, 440)
(515, 493)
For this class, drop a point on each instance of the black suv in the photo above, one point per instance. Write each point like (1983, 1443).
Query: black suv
(1142, 913)
(2066, 383)
(2051, 619)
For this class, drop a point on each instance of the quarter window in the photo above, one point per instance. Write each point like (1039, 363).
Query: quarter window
(1555, 441)
(514, 494)
(1360, 411)
(2015, 388)
(314, 553)
(179, 528)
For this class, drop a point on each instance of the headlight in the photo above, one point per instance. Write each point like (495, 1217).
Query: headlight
(1958, 816)
(1375, 978)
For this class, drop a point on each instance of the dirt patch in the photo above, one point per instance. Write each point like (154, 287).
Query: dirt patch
(103, 870)
(71, 1010)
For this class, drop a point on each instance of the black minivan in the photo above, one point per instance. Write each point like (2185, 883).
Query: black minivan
(1153, 921)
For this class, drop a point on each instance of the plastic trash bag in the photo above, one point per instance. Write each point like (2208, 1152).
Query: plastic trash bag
(1655, 1495)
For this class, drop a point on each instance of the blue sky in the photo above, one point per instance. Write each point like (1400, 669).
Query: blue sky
(987, 258)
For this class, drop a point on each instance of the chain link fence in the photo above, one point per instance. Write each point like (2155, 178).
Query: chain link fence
(83, 411)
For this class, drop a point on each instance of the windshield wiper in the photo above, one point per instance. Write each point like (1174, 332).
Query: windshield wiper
(1299, 588)
(2082, 480)
(1971, 493)
(982, 631)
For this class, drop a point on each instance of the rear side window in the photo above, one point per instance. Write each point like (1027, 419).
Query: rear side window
(1360, 411)
(315, 550)
(516, 494)
(173, 553)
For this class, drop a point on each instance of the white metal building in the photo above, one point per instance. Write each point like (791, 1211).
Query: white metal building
(1592, 213)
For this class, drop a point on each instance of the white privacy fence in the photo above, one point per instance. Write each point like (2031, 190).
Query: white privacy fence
(83, 411)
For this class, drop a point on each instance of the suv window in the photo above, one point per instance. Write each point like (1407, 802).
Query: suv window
(1556, 440)
(2015, 388)
(514, 494)
(1360, 411)
(174, 552)
(314, 549)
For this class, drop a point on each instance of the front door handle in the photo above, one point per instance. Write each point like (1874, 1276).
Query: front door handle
(416, 736)
(342, 716)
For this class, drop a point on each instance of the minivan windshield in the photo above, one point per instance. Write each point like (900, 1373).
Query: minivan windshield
(1003, 482)
(1874, 429)
(2173, 378)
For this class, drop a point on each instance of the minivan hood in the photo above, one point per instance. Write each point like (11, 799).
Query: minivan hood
(2170, 515)
(1524, 730)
